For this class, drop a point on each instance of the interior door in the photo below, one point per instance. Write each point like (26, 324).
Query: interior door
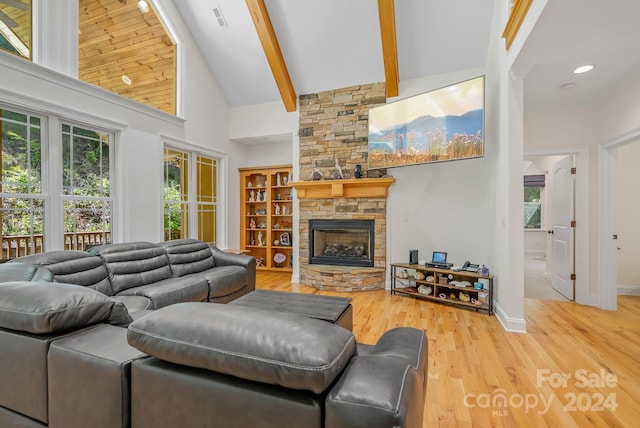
(562, 213)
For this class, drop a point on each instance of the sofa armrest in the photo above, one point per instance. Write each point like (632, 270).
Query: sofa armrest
(383, 388)
(228, 259)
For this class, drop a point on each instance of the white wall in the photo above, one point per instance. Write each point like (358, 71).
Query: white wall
(139, 145)
(269, 154)
(628, 214)
(444, 206)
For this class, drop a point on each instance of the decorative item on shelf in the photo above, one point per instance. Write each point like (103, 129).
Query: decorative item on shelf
(279, 258)
(317, 175)
(285, 239)
(290, 178)
(429, 278)
(442, 295)
(276, 225)
(452, 295)
(417, 275)
(249, 184)
(252, 238)
(252, 223)
(278, 180)
(276, 242)
(262, 225)
(443, 280)
(337, 174)
(425, 289)
(260, 241)
(261, 211)
(259, 261)
(422, 262)
(485, 270)
(358, 172)
(404, 274)
(413, 257)
(277, 209)
(284, 210)
(477, 285)
(412, 289)
(464, 297)
(285, 180)
(252, 196)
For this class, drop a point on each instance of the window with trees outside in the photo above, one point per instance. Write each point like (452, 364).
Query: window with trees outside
(190, 195)
(22, 202)
(533, 192)
(68, 203)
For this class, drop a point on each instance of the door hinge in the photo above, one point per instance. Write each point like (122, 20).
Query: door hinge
(573, 277)
(573, 223)
(573, 171)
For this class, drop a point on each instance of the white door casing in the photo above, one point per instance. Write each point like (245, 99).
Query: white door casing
(562, 214)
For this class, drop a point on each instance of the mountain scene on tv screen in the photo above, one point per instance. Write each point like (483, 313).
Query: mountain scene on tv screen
(428, 139)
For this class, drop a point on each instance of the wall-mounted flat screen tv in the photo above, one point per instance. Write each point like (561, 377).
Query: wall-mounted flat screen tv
(441, 125)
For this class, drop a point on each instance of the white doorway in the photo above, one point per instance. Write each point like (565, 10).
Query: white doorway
(576, 259)
(548, 233)
(608, 243)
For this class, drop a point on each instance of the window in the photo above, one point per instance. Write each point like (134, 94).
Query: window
(190, 195)
(22, 206)
(86, 186)
(533, 192)
(124, 47)
(46, 205)
(15, 27)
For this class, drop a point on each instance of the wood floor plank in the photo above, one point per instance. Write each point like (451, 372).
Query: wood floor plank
(474, 362)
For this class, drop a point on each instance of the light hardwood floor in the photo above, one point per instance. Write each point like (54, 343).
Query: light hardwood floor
(574, 364)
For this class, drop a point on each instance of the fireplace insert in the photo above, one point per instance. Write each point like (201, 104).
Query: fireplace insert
(342, 242)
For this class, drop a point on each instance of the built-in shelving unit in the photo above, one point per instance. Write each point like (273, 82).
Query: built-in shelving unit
(266, 216)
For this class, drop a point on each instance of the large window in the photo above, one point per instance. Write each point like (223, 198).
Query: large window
(190, 195)
(533, 192)
(86, 186)
(22, 206)
(44, 204)
(123, 46)
(15, 27)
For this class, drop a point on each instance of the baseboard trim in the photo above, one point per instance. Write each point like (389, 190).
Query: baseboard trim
(513, 325)
(628, 290)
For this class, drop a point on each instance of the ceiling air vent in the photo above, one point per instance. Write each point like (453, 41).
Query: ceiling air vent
(217, 12)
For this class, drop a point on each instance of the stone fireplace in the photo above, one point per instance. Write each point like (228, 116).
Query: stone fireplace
(333, 128)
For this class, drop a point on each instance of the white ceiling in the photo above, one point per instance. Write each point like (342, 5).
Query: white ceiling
(330, 44)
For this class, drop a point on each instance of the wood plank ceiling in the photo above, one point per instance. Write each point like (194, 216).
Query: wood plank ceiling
(118, 39)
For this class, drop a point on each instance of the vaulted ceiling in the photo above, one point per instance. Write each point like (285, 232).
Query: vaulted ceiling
(330, 44)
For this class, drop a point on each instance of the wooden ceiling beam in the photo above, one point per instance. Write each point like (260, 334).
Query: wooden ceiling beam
(271, 47)
(387, 15)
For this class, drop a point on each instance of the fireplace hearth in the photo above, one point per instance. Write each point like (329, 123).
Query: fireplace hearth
(342, 242)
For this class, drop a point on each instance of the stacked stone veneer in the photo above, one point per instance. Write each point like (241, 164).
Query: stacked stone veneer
(334, 125)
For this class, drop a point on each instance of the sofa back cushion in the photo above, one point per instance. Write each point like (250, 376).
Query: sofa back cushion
(258, 345)
(73, 267)
(133, 264)
(45, 308)
(23, 272)
(188, 256)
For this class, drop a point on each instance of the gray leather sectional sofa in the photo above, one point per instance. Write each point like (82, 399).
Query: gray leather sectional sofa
(72, 357)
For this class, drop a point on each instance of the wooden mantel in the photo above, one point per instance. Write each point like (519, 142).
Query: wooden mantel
(351, 188)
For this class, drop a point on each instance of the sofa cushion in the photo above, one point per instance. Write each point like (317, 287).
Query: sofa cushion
(73, 267)
(188, 256)
(23, 272)
(224, 280)
(44, 307)
(133, 264)
(260, 345)
(171, 291)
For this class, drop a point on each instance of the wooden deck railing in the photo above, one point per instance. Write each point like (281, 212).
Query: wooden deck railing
(21, 245)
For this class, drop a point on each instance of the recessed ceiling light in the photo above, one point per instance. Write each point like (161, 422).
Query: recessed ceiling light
(126, 79)
(568, 85)
(583, 69)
